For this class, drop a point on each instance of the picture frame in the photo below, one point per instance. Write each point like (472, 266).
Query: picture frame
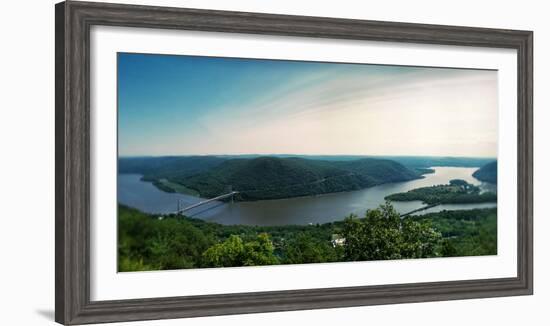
(73, 304)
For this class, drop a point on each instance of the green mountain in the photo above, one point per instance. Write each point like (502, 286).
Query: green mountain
(408, 161)
(275, 177)
(431, 161)
(487, 173)
(156, 168)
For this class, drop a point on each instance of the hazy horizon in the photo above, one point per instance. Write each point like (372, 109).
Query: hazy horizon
(292, 154)
(188, 105)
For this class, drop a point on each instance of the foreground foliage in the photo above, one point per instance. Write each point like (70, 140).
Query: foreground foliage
(465, 233)
(382, 234)
(175, 242)
(234, 252)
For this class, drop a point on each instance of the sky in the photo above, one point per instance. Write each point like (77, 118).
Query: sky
(192, 105)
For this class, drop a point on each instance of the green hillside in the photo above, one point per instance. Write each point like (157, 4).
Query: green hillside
(487, 173)
(272, 177)
(156, 168)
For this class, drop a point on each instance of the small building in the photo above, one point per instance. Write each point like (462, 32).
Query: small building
(337, 240)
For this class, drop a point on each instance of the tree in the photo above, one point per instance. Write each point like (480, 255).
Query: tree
(419, 240)
(225, 254)
(259, 252)
(234, 252)
(176, 244)
(306, 249)
(146, 242)
(125, 264)
(382, 234)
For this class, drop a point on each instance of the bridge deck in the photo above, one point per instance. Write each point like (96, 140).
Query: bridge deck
(207, 201)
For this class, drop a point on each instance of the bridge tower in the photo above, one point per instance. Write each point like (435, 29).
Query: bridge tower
(229, 189)
(180, 207)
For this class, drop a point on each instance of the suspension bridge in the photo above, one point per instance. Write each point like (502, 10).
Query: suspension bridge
(206, 201)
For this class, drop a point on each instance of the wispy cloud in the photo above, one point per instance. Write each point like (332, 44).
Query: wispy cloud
(342, 109)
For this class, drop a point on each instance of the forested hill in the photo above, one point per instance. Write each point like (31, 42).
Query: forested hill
(487, 173)
(272, 177)
(431, 161)
(168, 166)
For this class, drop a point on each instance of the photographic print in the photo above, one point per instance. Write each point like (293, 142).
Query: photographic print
(231, 162)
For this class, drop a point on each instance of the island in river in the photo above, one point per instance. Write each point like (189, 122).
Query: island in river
(457, 191)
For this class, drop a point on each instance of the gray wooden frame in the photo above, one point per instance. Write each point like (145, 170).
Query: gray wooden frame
(72, 180)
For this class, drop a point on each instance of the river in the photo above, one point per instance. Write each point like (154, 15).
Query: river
(301, 210)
